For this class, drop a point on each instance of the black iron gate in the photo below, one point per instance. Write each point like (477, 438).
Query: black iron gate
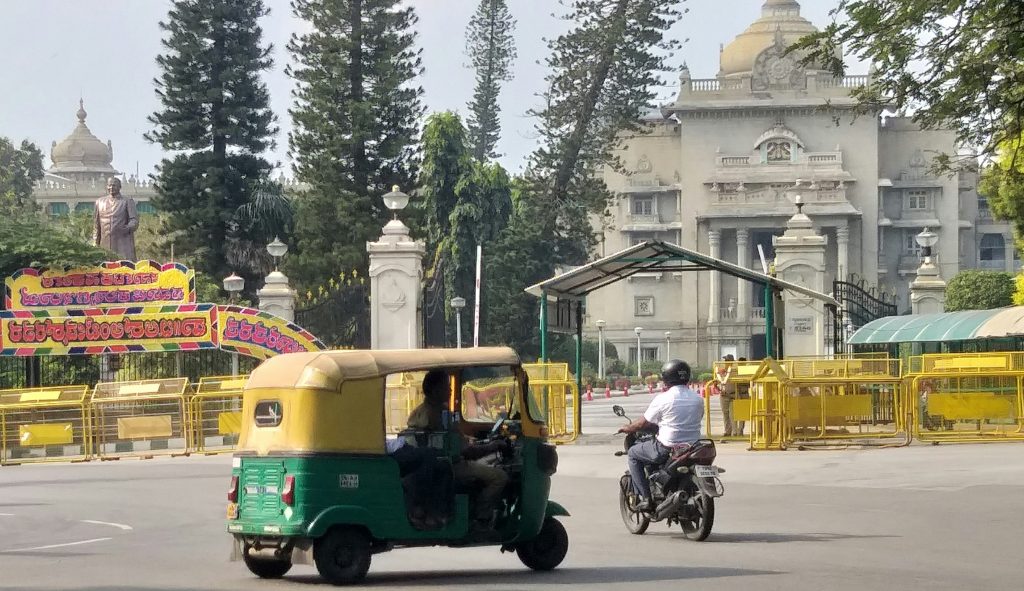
(859, 305)
(434, 320)
(338, 314)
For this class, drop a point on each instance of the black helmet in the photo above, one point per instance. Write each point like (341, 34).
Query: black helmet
(675, 372)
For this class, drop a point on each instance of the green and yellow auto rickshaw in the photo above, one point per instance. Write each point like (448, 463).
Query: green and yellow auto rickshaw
(313, 483)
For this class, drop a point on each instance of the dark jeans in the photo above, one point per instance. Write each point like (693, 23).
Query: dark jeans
(427, 479)
(643, 454)
(487, 481)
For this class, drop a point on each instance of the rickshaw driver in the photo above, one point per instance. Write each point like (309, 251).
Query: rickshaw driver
(490, 480)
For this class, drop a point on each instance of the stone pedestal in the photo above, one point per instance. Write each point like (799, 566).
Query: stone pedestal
(277, 297)
(927, 290)
(800, 259)
(396, 276)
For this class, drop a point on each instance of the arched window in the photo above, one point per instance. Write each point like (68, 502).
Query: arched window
(993, 248)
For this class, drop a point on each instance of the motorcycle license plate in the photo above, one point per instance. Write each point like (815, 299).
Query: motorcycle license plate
(232, 511)
(705, 471)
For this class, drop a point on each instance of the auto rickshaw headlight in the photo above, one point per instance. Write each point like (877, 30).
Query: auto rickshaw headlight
(547, 459)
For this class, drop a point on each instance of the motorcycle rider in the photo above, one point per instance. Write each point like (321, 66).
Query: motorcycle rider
(677, 412)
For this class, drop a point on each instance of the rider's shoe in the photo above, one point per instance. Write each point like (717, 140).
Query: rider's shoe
(644, 504)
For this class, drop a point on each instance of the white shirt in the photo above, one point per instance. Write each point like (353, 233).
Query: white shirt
(393, 445)
(678, 414)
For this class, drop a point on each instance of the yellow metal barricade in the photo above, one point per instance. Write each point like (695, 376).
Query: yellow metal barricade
(552, 385)
(767, 418)
(141, 418)
(44, 424)
(735, 404)
(966, 398)
(216, 413)
(403, 393)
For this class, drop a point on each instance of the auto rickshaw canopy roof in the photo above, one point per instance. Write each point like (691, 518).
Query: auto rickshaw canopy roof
(947, 326)
(326, 370)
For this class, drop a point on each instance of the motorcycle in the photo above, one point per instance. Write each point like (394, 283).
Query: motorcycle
(683, 488)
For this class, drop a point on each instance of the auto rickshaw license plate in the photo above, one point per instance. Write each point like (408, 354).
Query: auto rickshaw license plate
(232, 511)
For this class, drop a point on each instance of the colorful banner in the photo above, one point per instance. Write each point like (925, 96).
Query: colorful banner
(109, 330)
(119, 283)
(262, 335)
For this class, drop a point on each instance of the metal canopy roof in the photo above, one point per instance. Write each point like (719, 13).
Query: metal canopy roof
(650, 257)
(949, 326)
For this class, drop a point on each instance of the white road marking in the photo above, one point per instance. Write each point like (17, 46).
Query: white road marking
(6, 514)
(117, 525)
(52, 546)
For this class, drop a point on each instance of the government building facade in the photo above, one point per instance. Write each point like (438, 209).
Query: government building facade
(720, 169)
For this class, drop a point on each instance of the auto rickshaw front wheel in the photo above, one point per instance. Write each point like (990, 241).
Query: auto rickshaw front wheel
(547, 550)
(267, 568)
(342, 555)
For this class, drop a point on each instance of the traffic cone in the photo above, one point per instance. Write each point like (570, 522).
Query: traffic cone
(607, 391)
(590, 392)
(625, 390)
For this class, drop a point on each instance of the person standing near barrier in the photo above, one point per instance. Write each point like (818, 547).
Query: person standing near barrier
(726, 392)
(677, 412)
(742, 393)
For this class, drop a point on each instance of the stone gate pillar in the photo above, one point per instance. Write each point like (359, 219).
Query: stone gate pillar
(396, 277)
(800, 259)
(927, 290)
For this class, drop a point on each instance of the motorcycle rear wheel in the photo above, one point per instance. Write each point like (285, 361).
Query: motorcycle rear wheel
(698, 527)
(635, 521)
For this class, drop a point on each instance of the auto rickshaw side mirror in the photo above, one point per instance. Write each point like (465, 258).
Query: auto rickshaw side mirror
(618, 410)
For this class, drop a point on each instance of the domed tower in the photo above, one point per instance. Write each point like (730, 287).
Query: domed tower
(82, 156)
(759, 53)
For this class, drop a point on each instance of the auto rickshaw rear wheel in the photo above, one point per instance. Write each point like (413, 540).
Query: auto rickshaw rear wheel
(547, 550)
(342, 555)
(267, 568)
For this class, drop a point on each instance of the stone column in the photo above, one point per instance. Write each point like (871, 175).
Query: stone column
(743, 287)
(714, 246)
(277, 297)
(927, 290)
(396, 275)
(843, 252)
(1009, 248)
(800, 259)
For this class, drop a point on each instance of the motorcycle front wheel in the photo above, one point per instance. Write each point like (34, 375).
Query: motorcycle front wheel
(635, 521)
(697, 525)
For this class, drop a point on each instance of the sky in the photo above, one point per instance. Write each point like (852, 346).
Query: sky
(104, 51)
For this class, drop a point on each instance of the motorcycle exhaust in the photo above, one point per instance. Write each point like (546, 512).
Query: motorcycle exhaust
(670, 506)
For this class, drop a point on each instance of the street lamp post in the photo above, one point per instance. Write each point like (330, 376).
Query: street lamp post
(233, 284)
(926, 240)
(600, 348)
(458, 304)
(668, 345)
(639, 353)
(277, 249)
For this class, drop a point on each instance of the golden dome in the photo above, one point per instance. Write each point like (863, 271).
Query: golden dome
(81, 151)
(779, 19)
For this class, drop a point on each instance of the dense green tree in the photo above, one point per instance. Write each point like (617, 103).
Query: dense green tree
(216, 116)
(604, 74)
(979, 290)
(491, 48)
(355, 127)
(956, 64)
(1002, 182)
(467, 203)
(20, 168)
(32, 241)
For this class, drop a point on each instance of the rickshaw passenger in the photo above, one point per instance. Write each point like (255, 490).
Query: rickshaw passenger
(489, 480)
(423, 474)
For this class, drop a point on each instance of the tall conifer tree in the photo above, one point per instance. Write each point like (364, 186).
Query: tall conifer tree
(216, 115)
(491, 49)
(355, 127)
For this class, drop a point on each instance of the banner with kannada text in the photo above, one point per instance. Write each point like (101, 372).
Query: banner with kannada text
(259, 334)
(124, 330)
(118, 283)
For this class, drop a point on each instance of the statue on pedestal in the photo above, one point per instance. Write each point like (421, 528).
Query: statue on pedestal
(115, 221)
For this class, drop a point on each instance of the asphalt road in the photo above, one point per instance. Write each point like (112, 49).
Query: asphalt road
(924, 517)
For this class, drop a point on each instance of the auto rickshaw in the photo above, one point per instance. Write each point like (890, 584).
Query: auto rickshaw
(312, 483)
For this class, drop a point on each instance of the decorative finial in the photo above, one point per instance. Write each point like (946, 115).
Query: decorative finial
(799, 201)
(81, 114)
